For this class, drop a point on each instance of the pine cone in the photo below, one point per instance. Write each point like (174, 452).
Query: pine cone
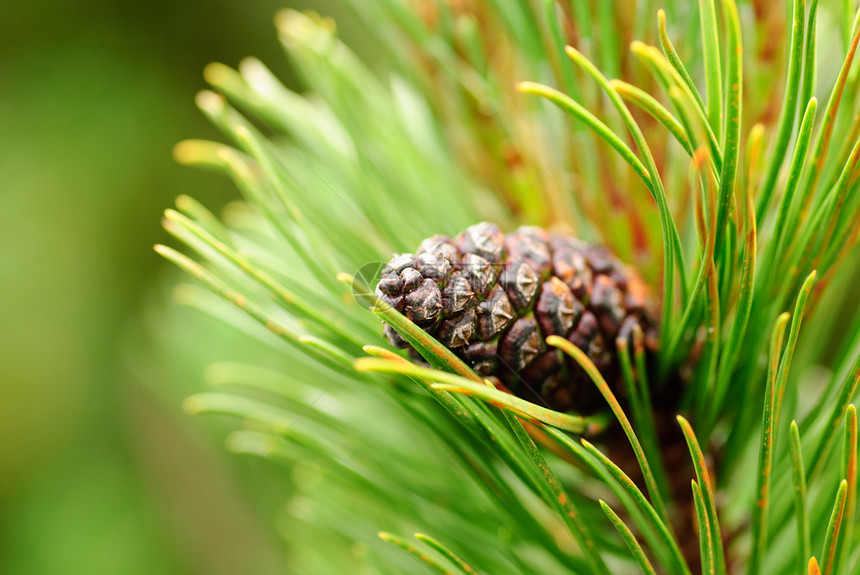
(494, 299)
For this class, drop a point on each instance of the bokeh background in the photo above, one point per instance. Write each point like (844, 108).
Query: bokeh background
(100, 470)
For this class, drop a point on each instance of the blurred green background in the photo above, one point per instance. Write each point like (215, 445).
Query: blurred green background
(100, 471)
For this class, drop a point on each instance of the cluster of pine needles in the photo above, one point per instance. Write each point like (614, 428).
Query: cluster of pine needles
(715, 146)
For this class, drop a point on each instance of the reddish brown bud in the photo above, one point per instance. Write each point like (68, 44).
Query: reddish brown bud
(494, 298)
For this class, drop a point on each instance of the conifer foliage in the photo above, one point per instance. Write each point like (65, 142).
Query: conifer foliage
(714, 147)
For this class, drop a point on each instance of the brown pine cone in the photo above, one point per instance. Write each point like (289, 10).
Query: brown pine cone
(494, 299)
